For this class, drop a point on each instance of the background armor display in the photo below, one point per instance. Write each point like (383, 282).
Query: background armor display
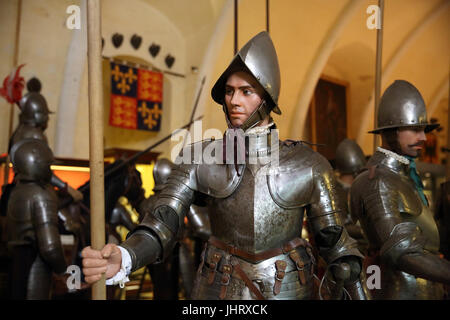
(33, 236)
(350, 161)
(403, 236)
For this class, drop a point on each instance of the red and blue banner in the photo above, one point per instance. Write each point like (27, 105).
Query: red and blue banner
(136, 98)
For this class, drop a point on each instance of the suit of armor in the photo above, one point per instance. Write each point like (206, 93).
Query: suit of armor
(33, 121)
(402, 233)
(256, 207)
(33, 235)
(350, 161)
(403, 236)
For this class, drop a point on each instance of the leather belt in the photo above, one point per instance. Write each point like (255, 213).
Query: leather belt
(256, 257)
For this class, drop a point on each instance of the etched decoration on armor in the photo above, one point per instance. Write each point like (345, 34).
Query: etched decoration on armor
(136, 98)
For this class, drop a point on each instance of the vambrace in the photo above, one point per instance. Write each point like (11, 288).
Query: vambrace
(48, 237)
(356, 290)
(143, 247)
(405, 250)
(166, 221)
(405, 238)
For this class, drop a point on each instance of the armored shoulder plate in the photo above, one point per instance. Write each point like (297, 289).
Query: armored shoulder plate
(291, 185)
(206, 172)
(386, 195)
(392, 181)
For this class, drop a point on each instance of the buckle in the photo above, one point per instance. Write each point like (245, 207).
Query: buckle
(300, 264)
(225, 279)
(280, 275)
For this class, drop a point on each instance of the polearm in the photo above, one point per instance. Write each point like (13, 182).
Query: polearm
(11, 115)
(191, 119)
(96, 157)
(378, 68)
(140, 153)
(447, 164)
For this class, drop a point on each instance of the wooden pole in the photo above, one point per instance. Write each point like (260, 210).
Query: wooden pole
(235, 26)
(447, 163)
(15, 63)
(378, 68)
(95, 84)
(267, 16)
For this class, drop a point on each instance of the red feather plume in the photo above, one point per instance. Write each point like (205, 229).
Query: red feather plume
(13, 86)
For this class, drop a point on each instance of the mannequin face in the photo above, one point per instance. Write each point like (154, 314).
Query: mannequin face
(242, 97)
(411, 140)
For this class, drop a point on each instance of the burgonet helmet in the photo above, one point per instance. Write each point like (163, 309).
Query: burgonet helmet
(350, 158)
(31, 159)
(259, 58)
(402, 105)
(34, 109)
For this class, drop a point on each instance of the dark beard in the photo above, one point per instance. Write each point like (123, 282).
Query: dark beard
(390, 137)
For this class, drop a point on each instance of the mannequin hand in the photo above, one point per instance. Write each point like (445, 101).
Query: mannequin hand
(96, 262)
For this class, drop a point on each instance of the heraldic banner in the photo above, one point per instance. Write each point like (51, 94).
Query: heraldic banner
(136, 98)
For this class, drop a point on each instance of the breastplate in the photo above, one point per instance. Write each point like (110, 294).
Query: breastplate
(21, 228)
(249, 218)
(396, 181)
(413, 210)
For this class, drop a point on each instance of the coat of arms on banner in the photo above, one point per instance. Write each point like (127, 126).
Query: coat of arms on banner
(136, 98)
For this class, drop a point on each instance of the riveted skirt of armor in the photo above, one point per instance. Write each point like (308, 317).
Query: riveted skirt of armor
(218, 278)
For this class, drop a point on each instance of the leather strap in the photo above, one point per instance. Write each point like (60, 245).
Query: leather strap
(247, 281)
(213, 267)
(225, 281)
(295, 256)
(372, 172)
(256, 257)
(258, 115)
(280, 265)
(202, 259)
(313, 259)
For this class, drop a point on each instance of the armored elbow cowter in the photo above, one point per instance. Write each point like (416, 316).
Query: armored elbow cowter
(325, 216)
(154, 238)
(405, 238)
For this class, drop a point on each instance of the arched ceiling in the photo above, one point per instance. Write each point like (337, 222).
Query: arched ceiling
(330, 36)
(315, 37)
